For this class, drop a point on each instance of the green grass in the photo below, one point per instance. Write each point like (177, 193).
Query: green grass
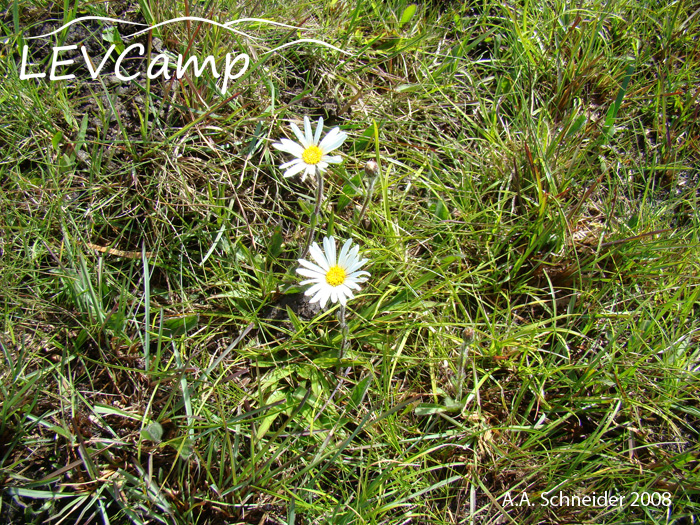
(530, 325)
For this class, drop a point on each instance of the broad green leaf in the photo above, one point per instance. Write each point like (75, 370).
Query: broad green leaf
(274, 376)
(267, 421)
(178, 326)
(360, 390)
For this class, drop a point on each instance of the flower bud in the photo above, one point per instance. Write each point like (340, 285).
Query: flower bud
(371, 168)
(468, 335)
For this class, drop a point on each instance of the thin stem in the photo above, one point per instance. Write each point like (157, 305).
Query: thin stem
(467, 338)
(372, 170)
(344, 331)
(316, 214)
(461, 372)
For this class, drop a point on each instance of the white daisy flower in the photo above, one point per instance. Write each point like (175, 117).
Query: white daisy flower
(333, 278)
(311, 155)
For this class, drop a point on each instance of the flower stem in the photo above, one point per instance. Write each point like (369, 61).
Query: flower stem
(467, 338)
(315, 216)
(367, 198)
(344, 331)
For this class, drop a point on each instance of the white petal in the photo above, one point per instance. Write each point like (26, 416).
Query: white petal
(307, 131)
(354, 253)
(333, 140)
(293, 162)
(355, 268)
(322, 296)
(351, 283)
(329, 248)
(330, 146)
(341, 297)
(343, 257)
(319, 257)
(289, 146)
(319, 129)
(300, 136)
(310, 273)
(354, 263)
(334, 294)
(314, 289)
(294, 170)
(335, 159)
(344, 291)
(360, 277)
(313, 267)
(330, 138)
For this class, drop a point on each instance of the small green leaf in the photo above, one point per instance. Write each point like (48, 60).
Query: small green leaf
(296, 322)
(408, 88)
(388, 43)
(451, 405)
(178, 326)
(576, 126)
(407, 15)
(276, 243)
(81, 339)
(429, 409)
(306, 207)
(446, 261)
(153, 432)
(611, 115)
(65, 162)
(183, 445)
(36, 494)
(116, 322)
(365, 139)
(112, 36)
(441, 211)
(349, 191)
(80, 140)
(305, 371)
(56, 140)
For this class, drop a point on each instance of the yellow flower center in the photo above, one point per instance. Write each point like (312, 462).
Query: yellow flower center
(312, 155)
(335, 276)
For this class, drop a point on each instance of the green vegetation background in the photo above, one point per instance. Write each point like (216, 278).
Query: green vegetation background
(531, 323)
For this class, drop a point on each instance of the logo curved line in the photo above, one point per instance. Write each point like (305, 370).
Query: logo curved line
(198, 19)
